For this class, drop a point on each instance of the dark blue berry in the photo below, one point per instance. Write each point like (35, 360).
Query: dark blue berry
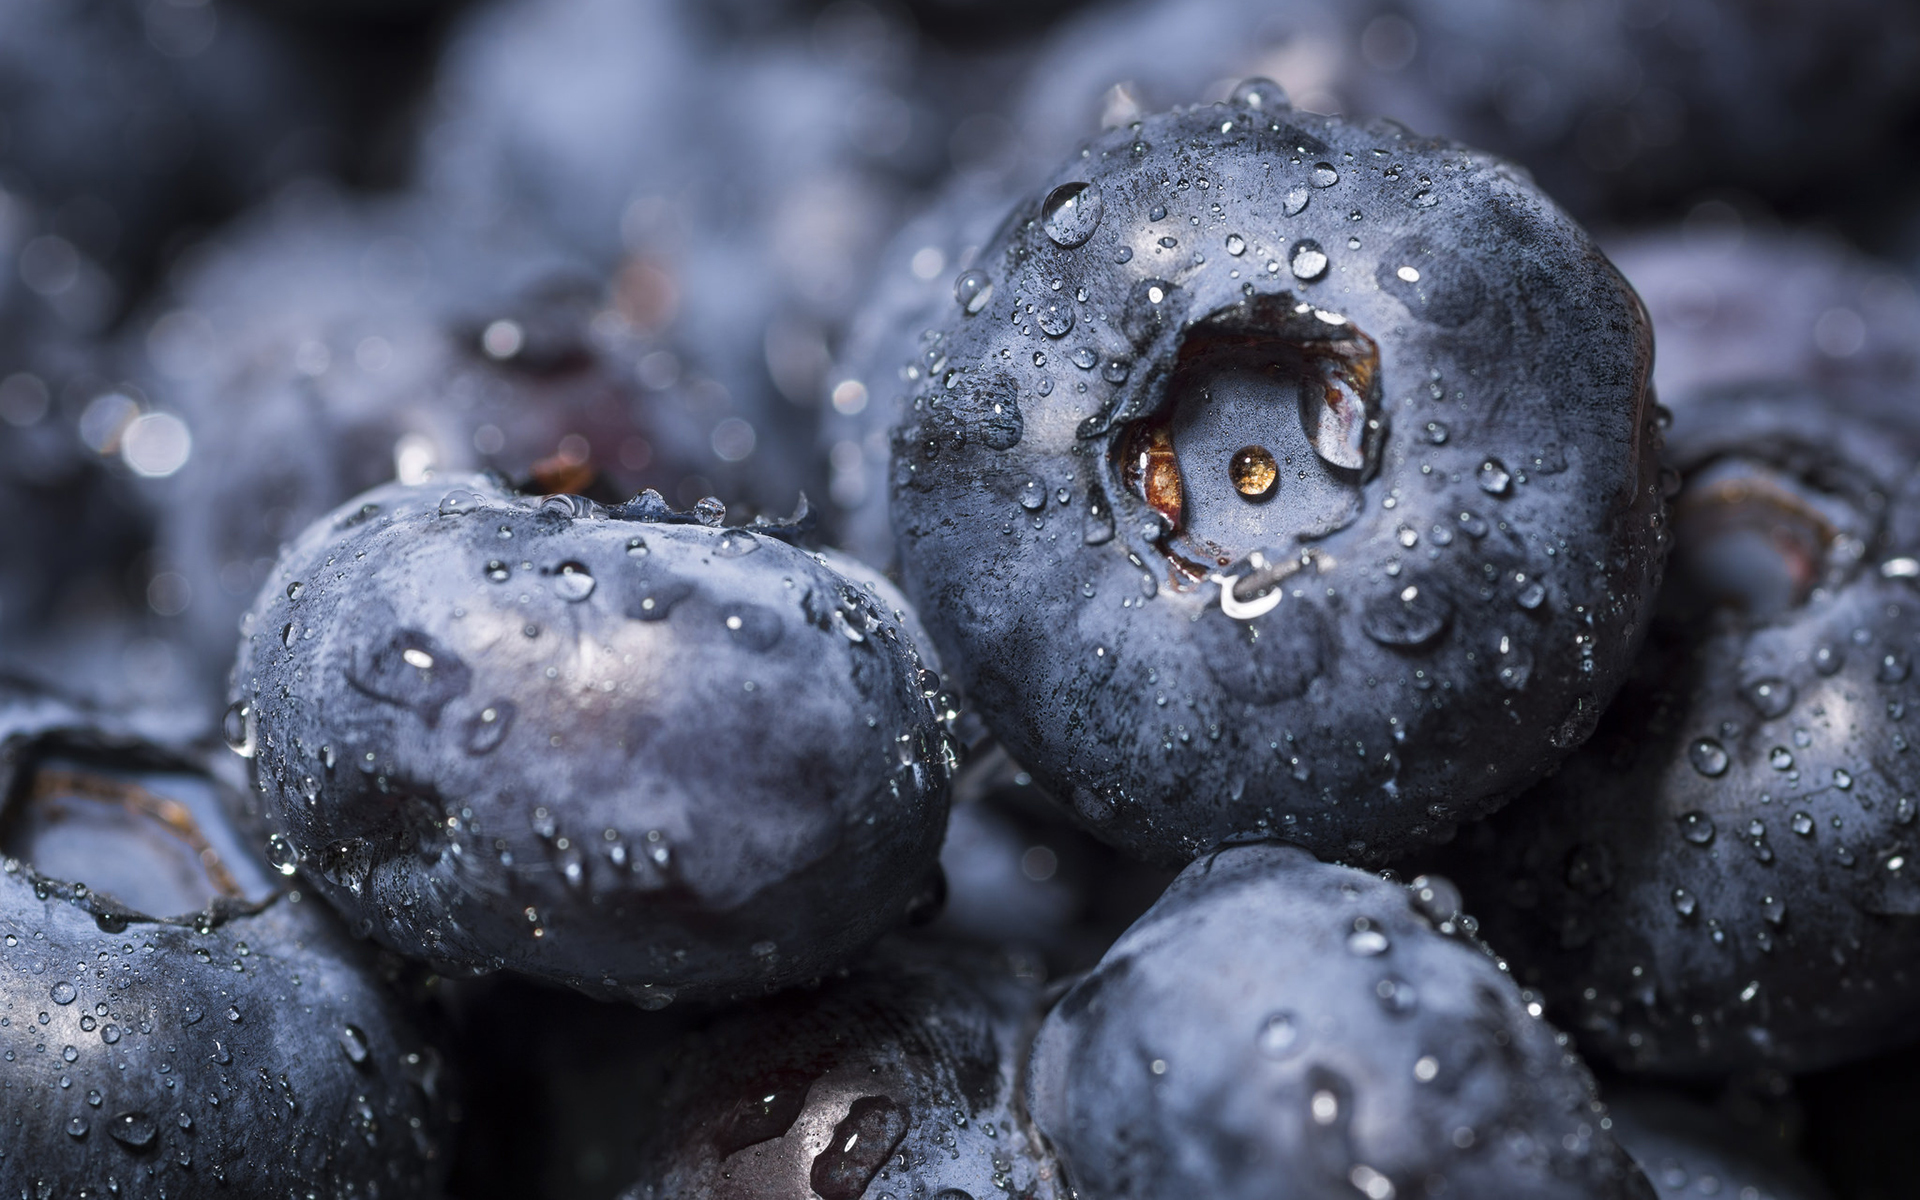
(1347, 529)
(1724, 877)
(627, 750)
(1277, 1026)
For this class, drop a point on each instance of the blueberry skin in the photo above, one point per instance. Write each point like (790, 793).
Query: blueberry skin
(245, 1049)
(1736, 304)
(1687, 1149)
(640, 758)
(1724, 876)
(901, 1079)
(1464, 556)
(1278, 1026)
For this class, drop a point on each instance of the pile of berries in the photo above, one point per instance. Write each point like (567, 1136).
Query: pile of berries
(777, 600)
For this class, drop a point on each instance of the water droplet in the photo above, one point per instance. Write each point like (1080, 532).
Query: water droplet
(1295, 201)
(636, 548)
(1279, 1035)
(294, 589)
(1696, 827)
(237, 727)
(1494, 478)
(1802, 823)
(735, 543)
(1513, 662)
(1780, 758)
(1033, 495)
(1842, 779)
(135, 1129)
(1324, 176)
(1684, 903)
(973, 289)
(1236, 245)
(1827, 660)
(1895, 666)
(498, 572)
(1437, 432)
(1770, 697)
(1309, 261)
(1071, 213)
(861, 1144)
(460, 501)
(1259, 92)
(76, 1128)
(281, 855)
(1367, 943)
(63, 992)
(1253, 472)
(1396, 995)
(1116, 370)
(1055, 317)
(1708, 757)
(573, 582)
(1412, 616)
(353, 1041)
(1774, 910)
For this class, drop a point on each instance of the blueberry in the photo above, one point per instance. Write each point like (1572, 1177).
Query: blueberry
(318, 352)
(130, 121)
(1723, 877)
(1279, 1026)
(900, 1080)
(1296, 529)
(889, 345)
(164, 1008)
(1733, 302)
(1687, 1149)
(627, 750)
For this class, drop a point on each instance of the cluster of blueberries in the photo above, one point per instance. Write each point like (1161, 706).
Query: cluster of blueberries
(959, 599)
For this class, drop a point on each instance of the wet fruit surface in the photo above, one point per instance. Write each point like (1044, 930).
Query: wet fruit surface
(1373, 1046)
(1320, 547)
(609, 748)
(1720, 877)
(901, 1079)
(148, 966)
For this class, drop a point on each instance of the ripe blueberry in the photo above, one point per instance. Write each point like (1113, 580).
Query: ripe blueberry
(165, 1010)
(626, 750)
(1277, 1026)
(1279, 472)
(900, 1079)
(1726, 875)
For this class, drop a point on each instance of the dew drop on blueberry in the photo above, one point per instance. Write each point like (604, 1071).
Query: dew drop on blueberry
(973, 289)
(1308, 261)
(1696, 827)
(573, 582)
(1324, 175)
(1708, 757)
(1071, 213)
(1769, 697)
(134, 1129)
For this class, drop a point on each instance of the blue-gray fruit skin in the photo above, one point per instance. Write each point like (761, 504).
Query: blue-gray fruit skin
(1688, 1150)
(1440, 588)
(248, 1049)
(901, 1079)
(1727, 875)
(622, 750)
(1279, 1027)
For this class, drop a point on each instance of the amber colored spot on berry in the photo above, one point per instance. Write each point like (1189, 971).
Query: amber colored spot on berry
(1253, 472)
